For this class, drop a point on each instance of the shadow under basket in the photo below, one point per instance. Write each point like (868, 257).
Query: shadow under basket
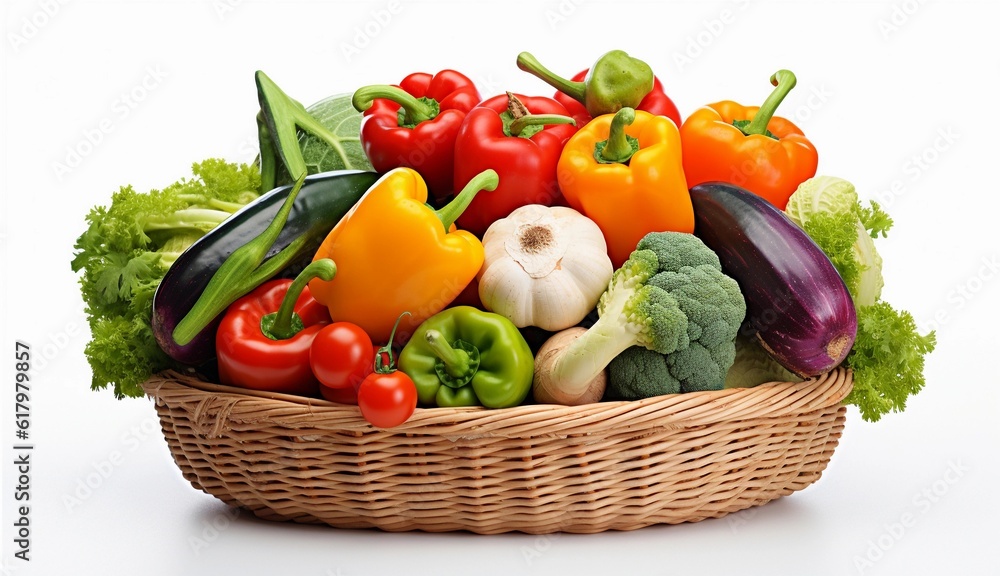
(533, 468)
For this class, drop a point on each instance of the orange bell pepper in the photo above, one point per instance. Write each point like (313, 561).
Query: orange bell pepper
(397, 254)
(748, 146)
(624, 172)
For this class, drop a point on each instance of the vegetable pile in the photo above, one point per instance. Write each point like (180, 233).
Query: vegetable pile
(419, 244)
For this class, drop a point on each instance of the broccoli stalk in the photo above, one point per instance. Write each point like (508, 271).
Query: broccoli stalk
(632, 313)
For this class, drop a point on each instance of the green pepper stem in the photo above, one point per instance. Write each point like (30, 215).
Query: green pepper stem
(415, 110)
(380, 366)
(485, 180)
(617, 148)
(456, 361)
(281, 328)
(519, 124)
(531, 65)
(783, 81)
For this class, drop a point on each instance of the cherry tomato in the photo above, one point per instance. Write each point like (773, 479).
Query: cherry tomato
(341, 356)
(387, 399)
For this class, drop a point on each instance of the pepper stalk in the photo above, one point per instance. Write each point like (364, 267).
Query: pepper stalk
(619, 147)
(412, 110)
(783, 81)
(519, 122)
(457, 362)
(285, 323)
(615, 81)
(485, 180)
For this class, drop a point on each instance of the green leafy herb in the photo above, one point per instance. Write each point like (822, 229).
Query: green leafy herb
(887, 360)
(124, 253)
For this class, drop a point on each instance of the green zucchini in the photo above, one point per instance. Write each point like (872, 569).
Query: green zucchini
(322, 201)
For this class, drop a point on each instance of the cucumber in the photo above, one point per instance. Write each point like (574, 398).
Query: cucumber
(798, 307)
(323, 200)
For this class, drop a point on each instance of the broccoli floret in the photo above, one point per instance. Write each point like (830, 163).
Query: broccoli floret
(640, 373)
(713, 306)
(632, 312)
(675, 250)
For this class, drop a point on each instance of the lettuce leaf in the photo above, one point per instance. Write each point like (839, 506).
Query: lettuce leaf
(124, 253)
(887, 360)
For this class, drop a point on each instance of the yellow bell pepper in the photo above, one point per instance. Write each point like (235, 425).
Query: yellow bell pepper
(624, 172)
(396, 254)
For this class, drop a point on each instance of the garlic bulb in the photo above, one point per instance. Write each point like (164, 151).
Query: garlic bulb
(544, 266)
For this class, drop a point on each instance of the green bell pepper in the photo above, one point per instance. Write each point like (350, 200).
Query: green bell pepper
(615, 81)
(464, 356)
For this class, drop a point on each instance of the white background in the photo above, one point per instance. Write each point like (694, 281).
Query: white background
(898, 96)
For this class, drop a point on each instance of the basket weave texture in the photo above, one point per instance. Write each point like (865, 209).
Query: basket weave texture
(533, 468)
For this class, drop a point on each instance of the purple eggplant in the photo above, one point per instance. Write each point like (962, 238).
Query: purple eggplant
(797, 304)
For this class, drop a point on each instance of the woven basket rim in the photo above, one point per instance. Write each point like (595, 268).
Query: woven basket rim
(691, 409)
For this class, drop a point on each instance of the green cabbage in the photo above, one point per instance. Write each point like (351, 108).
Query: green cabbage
(337, 115)
(341, 150)
(754, 366)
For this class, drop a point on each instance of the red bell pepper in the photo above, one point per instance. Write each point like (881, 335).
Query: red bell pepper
(414, 125)
(264, 338)
(521, 137)
(656, 102)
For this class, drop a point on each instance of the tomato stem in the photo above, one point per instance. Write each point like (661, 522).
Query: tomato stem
(380, 366)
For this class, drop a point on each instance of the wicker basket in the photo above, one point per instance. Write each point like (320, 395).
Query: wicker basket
(533, 468)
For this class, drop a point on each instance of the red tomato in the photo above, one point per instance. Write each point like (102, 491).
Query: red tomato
(387, 399)
(341, 356)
